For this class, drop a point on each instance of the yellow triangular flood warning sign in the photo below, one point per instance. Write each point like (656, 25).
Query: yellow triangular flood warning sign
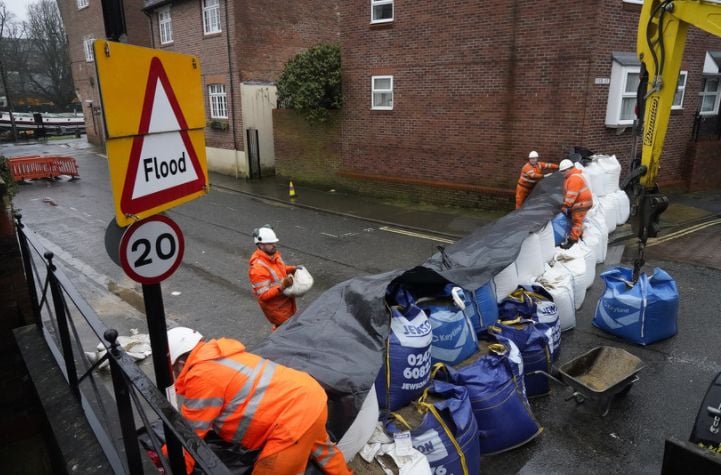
(163, 165)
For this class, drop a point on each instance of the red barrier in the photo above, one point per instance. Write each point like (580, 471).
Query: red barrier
(41, 166)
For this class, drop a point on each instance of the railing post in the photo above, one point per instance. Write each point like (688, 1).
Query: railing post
(59, 305)
(27, 264)
(125, 408)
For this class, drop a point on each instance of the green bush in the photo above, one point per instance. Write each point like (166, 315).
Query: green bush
(311, 82)
(6, 177)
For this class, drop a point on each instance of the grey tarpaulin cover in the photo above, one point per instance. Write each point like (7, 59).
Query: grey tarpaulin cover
(339, 338)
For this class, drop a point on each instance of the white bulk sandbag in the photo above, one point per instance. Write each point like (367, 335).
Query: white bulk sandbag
(607, 205)
(362, 427)
(582, 251)
(558, 282)
(612, 172)
(596, 175)
(624, 207)
(505, 282)
(529, 263)
(302, 283)
(547, 242)
(595, 225)
(577, 267)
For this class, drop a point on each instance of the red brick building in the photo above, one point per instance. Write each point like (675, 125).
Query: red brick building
(242, 47)
(83, 22)
(444, 100)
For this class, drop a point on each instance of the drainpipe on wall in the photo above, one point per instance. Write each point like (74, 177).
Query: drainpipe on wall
(232, 89)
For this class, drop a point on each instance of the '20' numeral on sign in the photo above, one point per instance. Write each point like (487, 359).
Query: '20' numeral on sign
(159, 251)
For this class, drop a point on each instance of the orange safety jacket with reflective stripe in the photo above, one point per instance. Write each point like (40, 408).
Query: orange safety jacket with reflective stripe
(577, 192)
(266, 275)
(530, 175)
(246, 399)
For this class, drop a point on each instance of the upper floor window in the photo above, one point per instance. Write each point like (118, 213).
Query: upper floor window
(165, 25)
(211, 16)
(83, 3)
(710, 96)
(88, 48)
(382, 92)
(625, 72)
(218, 101)
(680, 90)
(381, 11)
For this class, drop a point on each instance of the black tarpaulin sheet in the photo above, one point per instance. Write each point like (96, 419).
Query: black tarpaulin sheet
(339, 339)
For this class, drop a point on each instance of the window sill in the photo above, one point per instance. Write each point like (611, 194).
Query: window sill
(381, 25)
(215, 34)
(165, 45)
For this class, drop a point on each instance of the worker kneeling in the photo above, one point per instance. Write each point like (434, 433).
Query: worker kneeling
(253, 402)
(576, 202)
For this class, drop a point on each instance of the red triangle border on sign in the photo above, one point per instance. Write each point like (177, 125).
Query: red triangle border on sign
(128, 205)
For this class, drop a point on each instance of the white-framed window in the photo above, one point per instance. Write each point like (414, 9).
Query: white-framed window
(211, 16)
(710, 96)
(83, 3)
(381, 11)
(680, 90)
(382, 92)
(88, 48)
(637, 2)
(165, 25)
(218, 101)
(621, 106)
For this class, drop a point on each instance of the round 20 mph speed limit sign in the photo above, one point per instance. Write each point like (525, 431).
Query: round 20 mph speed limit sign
(151, 249)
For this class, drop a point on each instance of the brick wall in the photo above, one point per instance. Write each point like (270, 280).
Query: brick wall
(304, 150)
(476, 88)
(215, 61)
(273, 31)
(705, 173)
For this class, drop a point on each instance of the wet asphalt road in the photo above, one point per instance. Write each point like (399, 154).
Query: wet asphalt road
(210, 292)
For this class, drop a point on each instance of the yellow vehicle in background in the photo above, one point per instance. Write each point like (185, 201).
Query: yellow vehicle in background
(661, 41)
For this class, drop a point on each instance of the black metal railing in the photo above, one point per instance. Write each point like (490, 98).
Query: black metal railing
(69, 326)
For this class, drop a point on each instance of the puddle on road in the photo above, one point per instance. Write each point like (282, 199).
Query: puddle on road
(128, 296)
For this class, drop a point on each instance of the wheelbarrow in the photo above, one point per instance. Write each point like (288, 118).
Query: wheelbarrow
(599, 375)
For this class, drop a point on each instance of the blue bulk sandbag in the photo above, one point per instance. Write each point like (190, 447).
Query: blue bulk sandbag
(447, 433)
(454, 339)
(535, 303)
(486, 304)
(499, 402)
(407, 365)
(561, 226)
(533, 343)
(642, 313)
(471, 311)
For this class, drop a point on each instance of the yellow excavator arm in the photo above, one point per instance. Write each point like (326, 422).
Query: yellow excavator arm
(661, 40)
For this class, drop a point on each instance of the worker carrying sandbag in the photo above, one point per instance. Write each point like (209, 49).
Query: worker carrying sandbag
(576, 202)
(531, 173)
(252, 402)
(269, 277)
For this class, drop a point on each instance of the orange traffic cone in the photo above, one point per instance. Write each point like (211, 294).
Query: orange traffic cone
(291, 190)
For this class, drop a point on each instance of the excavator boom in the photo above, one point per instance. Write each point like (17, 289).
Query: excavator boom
(662, 31)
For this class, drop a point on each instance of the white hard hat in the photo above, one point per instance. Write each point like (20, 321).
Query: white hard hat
(533, 154)
(180, 341)
(264, 235)
(565, 165)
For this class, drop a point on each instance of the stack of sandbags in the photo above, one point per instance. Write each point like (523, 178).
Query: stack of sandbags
(529, 263)
(505, 281)
(559, 283)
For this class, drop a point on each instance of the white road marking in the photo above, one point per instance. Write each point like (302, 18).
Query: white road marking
(405, 232)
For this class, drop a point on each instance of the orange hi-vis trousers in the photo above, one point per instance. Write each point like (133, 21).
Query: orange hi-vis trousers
(577, 217)
(293, 460)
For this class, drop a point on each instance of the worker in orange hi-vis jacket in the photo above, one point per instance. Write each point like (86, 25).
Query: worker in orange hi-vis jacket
(252, 402)
(576, 202)
(269, 276)
(531, 173)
